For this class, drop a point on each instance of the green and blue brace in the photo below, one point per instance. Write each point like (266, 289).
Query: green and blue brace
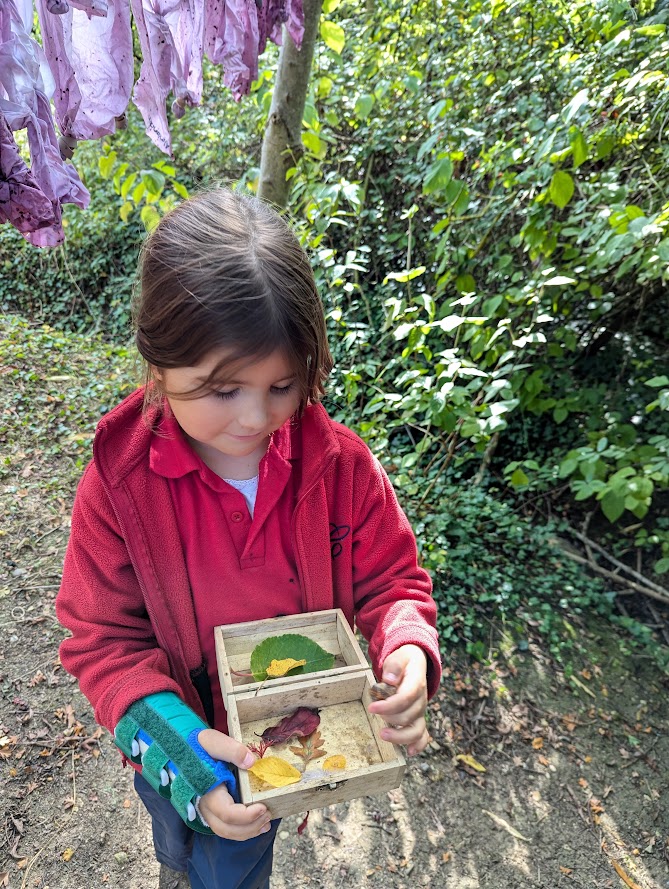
(159, 735)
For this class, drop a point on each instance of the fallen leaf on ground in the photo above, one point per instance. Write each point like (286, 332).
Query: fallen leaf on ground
(505, 824)
(623, 876)
(565, 870)
(537, 743)
(67, 854)
(469, 760)
(280, 668)
(334, 762)
(275, 771)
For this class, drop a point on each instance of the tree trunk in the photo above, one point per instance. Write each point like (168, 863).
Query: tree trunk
(282, 144)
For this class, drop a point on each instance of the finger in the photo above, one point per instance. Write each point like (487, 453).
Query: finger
(414, 737)
(400, 708)
(239, 832)
(406, 664)
(225, 748)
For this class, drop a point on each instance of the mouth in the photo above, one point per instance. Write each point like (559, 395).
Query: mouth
(246, 437)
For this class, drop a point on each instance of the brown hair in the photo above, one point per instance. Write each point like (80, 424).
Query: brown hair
(225, 271)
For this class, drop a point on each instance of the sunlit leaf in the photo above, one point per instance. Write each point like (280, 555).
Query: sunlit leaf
(275, 771)
(332, 763)
(469, 760)
(561, 189)
(280, 668)
(333, 36)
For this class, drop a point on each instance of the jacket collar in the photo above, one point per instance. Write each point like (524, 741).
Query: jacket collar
(124, 437)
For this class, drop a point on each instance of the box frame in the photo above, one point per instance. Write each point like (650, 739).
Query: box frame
(347, 686)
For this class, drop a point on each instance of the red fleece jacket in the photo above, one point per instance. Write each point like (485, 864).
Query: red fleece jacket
(125, 595)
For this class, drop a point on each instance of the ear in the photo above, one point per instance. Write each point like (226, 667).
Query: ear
(156, 373)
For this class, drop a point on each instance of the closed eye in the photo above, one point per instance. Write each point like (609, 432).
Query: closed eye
(283, 390)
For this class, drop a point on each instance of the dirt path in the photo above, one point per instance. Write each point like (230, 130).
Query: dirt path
(574, 791)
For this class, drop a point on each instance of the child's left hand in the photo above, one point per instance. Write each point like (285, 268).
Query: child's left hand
(405, 669)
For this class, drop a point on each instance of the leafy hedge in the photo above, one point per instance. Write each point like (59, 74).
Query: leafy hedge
(485, 207)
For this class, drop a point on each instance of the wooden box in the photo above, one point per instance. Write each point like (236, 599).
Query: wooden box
(341, 696)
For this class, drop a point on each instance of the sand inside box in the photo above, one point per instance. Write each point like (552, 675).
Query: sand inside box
(345, 731)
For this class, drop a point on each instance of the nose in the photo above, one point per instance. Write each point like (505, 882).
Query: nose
(253, 415)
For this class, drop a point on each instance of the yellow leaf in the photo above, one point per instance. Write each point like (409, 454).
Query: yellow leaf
(471, 762)
(537, 743)
(334, 762)
(280, 668)
(275, 771)
(67, 854)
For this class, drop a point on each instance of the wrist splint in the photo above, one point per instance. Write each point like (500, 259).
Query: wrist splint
(158, 734)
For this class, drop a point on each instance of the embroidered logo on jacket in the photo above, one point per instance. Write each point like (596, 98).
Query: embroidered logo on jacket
(337, 534)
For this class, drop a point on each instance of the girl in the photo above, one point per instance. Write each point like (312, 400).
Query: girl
(222, 492)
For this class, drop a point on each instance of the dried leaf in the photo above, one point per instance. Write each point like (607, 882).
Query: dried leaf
(303, 825)
(537, 743)
(565, 870)
(275, 771)
(300, 724)
(380, 691)
(623, 876)
(67, 854)
(280, 668)
(310, 748)
(469, 760)
(332, 763)
(505, 824)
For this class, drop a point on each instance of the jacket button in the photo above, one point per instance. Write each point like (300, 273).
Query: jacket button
(237, 517)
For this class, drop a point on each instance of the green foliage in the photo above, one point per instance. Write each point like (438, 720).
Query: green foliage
(485, 208)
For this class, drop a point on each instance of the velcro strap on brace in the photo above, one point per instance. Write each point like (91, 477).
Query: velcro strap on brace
(160, 732)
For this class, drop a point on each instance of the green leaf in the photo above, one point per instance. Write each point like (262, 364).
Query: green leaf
(438, 175)
(364, 105)
(662, 566)
(314, 143)
(330, 6)
(126, 210)
(150, 217)
(333, 36)
(290, 645)
(106, 164)
(518, 479)
(613, 505)
(180, 189)
(154, 181)
(128, 183)
(651, 30)
(465, 284)
(658, 382)
(561, 189)
(579, 146)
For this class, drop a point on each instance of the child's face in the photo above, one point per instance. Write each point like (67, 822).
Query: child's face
(230, 426)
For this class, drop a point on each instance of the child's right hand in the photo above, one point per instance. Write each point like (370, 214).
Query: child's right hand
(228, 819)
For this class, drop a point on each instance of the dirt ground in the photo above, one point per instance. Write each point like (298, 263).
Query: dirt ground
(532, 780)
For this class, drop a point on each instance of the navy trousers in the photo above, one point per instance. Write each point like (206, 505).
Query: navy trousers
(210, 861)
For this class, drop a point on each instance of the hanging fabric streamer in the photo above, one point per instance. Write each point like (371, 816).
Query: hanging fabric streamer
(83, 78)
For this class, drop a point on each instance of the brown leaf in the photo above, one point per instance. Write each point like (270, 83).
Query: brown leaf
(623, 876)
